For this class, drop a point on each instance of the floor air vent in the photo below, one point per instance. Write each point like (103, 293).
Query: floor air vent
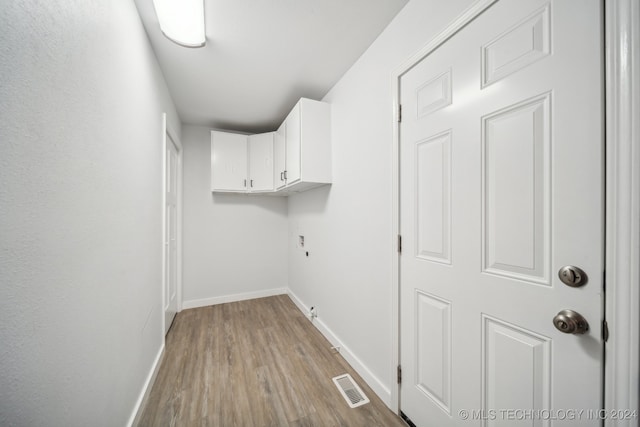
(350, 390)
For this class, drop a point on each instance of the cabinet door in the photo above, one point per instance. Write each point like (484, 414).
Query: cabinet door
(292, 124)
(261, 162)
(228, 162)
(279, 157)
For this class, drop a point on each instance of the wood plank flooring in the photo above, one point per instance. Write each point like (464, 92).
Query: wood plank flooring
(254, 363)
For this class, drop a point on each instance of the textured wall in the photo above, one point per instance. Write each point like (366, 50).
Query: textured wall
(81, 98)
(233, 243)
(348, 228)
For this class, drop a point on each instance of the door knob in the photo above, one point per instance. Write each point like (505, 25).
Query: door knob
(572, 276)
(570, 322)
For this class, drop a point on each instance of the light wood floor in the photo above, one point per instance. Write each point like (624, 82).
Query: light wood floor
(254, 363)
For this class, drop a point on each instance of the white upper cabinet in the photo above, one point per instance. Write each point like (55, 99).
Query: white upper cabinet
(279, 157)
(292, 135)
(294, 158)
(308, 145)
(261, 162)
(228, 162)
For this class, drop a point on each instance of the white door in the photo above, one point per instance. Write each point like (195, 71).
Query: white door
(293, 139)
(501, 162)
(279, 157)
(172, 189)
(228, 161)
(261, 162)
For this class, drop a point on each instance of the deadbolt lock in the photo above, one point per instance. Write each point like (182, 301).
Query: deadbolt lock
(570, 322)
(572, 276)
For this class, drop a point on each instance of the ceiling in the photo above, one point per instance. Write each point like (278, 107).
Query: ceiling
(261, 56)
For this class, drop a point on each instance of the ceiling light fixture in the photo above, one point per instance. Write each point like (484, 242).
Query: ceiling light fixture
(182, 21)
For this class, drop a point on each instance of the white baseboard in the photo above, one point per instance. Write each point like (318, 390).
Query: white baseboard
(146, 389)
(374, 382)
(195, 303)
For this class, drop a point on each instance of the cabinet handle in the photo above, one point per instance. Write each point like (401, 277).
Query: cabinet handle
(285, 175)
(245, 183)
(251, 183)
(281, 176)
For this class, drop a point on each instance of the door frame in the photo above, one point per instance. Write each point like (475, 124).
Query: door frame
(167, 129)
(622, 200)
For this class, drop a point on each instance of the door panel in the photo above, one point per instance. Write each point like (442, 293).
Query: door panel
(293, 140)
(516, 368)
(171, 234)
(521, 45)
(261, 162)
(433, 198)
(515, 194)
(501, 172)
(279, 157)
(433, 344)
(229, 161)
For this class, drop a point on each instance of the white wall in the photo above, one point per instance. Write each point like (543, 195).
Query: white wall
(80, 211)
(348, 228)
(232, 243)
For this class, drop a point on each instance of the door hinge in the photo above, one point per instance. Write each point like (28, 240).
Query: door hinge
(605, 331)
(399, 374)
(399, 244)
(399, 113)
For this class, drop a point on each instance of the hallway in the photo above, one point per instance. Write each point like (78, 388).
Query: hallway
(254, 363)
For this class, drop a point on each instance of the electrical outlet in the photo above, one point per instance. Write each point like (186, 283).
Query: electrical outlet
(313, 313)
(301, 242)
